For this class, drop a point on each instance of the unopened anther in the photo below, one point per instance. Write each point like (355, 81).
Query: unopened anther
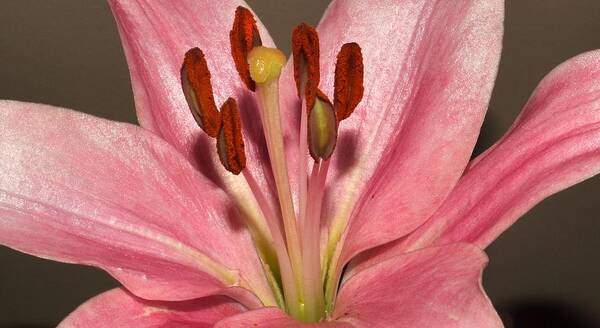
(322, 128)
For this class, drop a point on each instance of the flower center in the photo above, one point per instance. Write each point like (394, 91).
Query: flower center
(296, 235)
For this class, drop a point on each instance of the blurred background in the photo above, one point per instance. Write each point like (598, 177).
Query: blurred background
(543, 272)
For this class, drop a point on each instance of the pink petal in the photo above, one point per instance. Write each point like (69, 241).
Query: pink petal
(155, 37)
(433, 287)
(429, 72)
(554, 144)
(80, 189)
(270, 318)
(118, 308)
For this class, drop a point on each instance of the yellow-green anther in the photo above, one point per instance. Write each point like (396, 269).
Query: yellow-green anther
(265, 64)
(322, 129)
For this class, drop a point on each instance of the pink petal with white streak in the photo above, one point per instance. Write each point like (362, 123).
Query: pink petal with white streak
(76, 188)
(554, 144)
(118, 308)
(433, 287)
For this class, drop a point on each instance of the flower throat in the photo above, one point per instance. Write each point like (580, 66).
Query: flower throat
(296, 272)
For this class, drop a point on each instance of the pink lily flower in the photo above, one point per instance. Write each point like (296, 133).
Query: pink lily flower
(387, 232)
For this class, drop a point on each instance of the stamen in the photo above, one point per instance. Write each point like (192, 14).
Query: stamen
(244, 36)
(195, 81)
(230, 144)
(348, 80)
(322, 128)
(305, 50)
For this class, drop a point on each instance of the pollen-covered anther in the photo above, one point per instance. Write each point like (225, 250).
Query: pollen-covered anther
(195, 81)
(305, 50)
(244, 36)
(322, 128)
(348, 86)
(230, 143)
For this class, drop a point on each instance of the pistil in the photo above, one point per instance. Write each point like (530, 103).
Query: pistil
(265, 66)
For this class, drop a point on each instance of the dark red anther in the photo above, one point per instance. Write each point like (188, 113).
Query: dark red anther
(348, 80)
(243, 37)
(305, 50)
(195, 81)
(230, 143)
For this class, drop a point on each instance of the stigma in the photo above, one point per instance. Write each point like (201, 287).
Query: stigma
(265, 64)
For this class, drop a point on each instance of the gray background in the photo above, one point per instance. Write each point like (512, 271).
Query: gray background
(67, 53)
